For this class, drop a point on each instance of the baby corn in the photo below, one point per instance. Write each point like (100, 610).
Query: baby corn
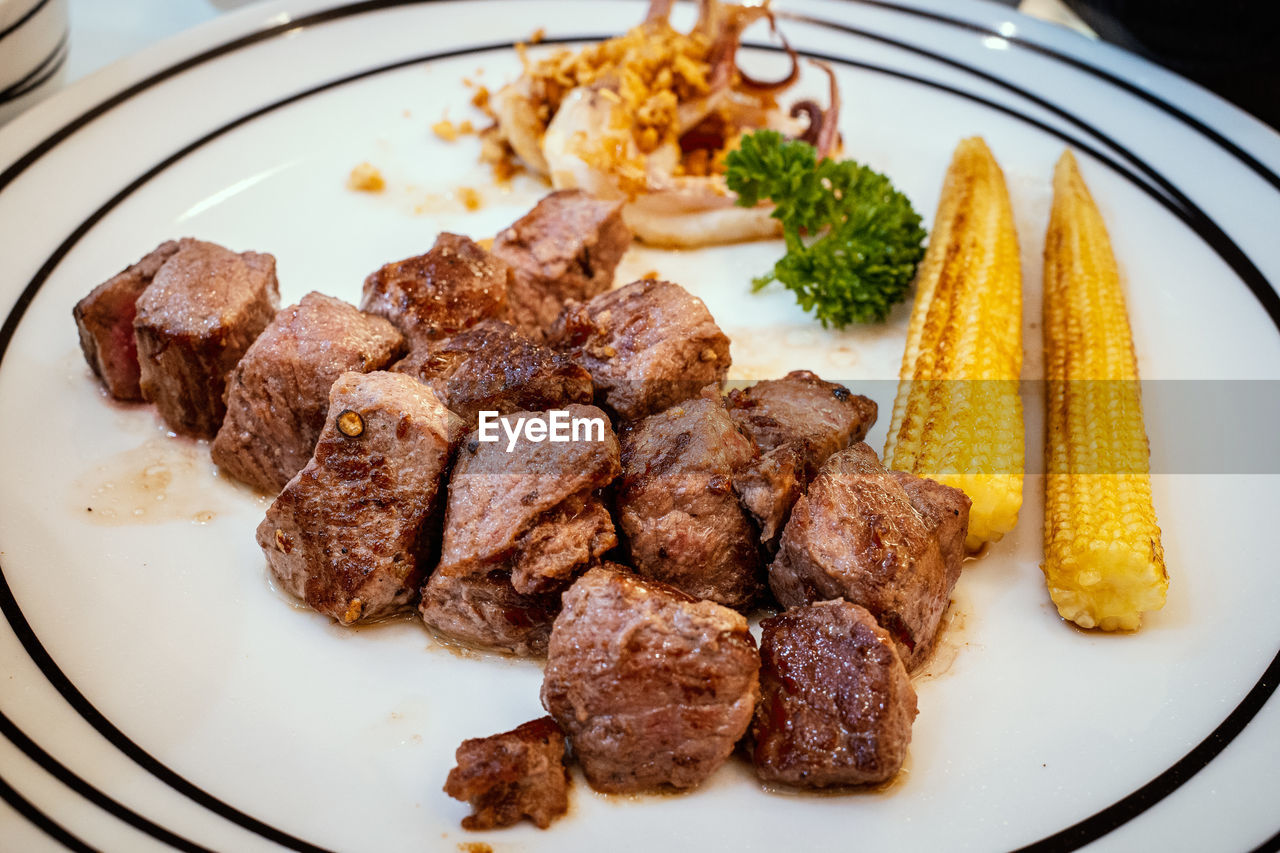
(958, 417)
(1104, 563)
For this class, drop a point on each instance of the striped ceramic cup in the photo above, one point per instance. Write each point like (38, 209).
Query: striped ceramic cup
(33, 52)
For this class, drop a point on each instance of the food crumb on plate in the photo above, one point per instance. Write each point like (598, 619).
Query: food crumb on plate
(366, 178)
(470, 198)
(449, 132)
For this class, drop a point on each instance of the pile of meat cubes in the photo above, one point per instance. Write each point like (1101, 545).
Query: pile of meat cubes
(627, 561)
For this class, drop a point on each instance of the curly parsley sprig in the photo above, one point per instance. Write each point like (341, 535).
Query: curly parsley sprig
(853, 241)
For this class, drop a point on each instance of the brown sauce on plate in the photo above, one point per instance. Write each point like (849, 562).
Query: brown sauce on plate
(159, 481)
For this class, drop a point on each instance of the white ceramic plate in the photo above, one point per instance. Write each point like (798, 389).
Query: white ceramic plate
(157, 692)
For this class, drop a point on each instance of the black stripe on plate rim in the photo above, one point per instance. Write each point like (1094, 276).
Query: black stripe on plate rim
(1260, 168)
(352, 9)
(51, 828)
(38, 76)
(59, 771)
(1187, 767)
(28, 15)
(1269, 846)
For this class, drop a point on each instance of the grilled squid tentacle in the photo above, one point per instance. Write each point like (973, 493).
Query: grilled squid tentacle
(763, 87)
(823, 131)
(588, 141)
(659, 11)
(725, 26)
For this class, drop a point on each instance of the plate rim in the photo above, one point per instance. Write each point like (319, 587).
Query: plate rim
(1072, 837)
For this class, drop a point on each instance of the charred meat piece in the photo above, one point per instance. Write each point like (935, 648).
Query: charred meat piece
(854, 535)
(513, 775)
(202, 310)
(802, 411)
(105, 320)
(679, 516)
(352, 533)
(532, 506)
(945, 509)
(652, 687)
(431, 296)
(836, 705)
(494, 367)
(768, 486)
(278, 395)
(486, 611)
(797, 421)
(647, 346)
(566, 248)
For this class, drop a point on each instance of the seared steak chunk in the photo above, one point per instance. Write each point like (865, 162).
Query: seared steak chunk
(202, 310)
(431, 296)
(278, 394)
(855, 535)
(797, 421)
(647, 346)
(652, 687)
(493, 367)
(836, 705)
(531, 508)
(350, 534)
(680, 518)
(105, 321)
(486, 611)
(945, 509)
(566, 248)
(768, 486)
(802, 411)
(513, 775)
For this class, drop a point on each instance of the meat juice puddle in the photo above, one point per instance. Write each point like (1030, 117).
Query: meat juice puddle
(880, 789)
(159, 481)
(947, 649)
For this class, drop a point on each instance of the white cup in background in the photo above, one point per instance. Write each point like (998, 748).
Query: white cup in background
(33, 52)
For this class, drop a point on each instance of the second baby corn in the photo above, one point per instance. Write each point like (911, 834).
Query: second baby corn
(958, 417)
(1104, 562)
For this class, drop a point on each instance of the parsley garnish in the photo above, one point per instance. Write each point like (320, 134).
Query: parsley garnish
(853, 241)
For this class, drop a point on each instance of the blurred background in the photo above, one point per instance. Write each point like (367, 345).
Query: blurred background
(1229, 46)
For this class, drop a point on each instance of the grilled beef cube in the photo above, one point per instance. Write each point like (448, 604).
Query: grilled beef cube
(431, 296)
(278, 395)
(351, 534)
(566, 248)
(679, 516)
(486, 611)
(768, 486)
(202, 310)
(836, 705)
(647, 346)
(533, 510)
(797, 421)
(493, 367)
(513, 775)
(854, 535)
(105, 321)
(945, 510)
(802, 411)
(652, 687)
